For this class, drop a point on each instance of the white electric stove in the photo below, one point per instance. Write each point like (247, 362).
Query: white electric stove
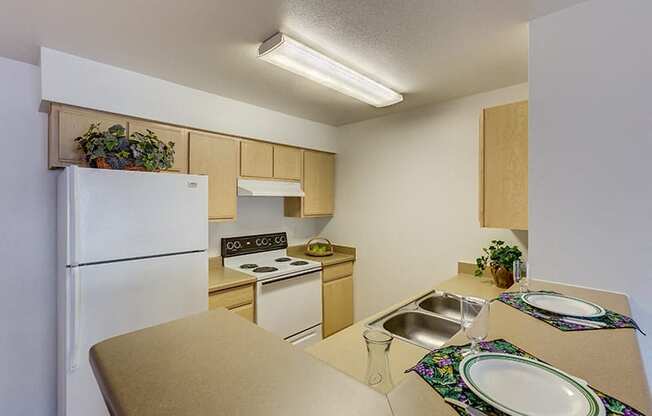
(288, 289)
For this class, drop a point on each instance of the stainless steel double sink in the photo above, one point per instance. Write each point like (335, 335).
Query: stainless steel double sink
(427, 322)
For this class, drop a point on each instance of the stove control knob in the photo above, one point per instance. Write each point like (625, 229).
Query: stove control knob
(237, 245)
(258, 242)
(265, 241)
(277, 240)
(229, 245)
(283, 239)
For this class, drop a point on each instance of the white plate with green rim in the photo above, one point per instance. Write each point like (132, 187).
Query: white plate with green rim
(563, 305)
(519, 386)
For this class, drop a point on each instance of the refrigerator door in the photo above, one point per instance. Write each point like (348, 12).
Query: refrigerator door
(110, 299)
(115, 215)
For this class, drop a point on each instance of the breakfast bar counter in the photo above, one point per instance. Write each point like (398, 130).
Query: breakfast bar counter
(216, 363)
(608, 359)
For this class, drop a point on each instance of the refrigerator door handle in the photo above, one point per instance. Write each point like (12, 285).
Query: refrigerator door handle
(74, 336)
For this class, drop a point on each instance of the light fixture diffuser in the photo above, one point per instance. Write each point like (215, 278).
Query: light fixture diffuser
(296, 57)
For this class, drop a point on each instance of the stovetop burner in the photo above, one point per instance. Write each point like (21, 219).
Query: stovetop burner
(249, 266)
(283, 259)
(265, 269)
(298, 263)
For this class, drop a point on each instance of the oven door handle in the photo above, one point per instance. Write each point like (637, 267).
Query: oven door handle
(294, 276)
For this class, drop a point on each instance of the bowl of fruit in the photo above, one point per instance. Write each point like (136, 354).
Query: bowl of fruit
(319, 247)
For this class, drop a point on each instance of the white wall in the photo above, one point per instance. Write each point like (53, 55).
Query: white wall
(590, 150)
(407, 197)
(27, 248)
(77, 81)
(259, 215)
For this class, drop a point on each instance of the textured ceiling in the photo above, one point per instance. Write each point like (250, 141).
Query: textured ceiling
(429, 50)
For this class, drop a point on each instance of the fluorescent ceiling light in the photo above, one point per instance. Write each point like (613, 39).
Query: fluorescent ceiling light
(296, 57)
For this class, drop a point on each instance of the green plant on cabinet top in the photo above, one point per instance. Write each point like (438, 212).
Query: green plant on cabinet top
(111, 149)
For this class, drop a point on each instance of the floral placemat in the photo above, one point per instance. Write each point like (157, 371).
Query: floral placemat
(610, 318)
(440, 369)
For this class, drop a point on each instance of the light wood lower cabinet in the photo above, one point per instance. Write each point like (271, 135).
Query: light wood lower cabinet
(337, 303)
(217, 157)
(239, 300)
(165, 133)
(246, 311)
(318, 185)
(504, 166)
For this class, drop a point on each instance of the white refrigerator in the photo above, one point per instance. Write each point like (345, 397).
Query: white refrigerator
(132, 254)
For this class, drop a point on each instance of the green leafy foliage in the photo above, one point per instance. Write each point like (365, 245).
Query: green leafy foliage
(112, 147)
(151, 153)
(498, 254)
(319, 248)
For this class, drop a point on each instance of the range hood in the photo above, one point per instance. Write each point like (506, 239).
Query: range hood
(254, 187)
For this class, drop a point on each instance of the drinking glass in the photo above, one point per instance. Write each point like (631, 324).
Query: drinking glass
(379, 375)
(522, 275)
(475, 322)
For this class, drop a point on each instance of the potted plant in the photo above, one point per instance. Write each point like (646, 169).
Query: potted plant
(500, 258)
(151, 153)
(111, 149)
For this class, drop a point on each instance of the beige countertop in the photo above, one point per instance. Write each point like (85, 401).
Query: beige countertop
(341, 254)
(220, 277)
(609, 360)
(216, 363)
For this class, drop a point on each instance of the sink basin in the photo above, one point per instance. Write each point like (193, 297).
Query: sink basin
(427, 331)
(445, 305)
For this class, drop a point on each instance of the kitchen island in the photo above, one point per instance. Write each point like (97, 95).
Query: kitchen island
(216, 363)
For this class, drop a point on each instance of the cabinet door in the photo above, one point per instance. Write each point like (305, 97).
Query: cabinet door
(504, 166)
(217, 157)
(68, 123)
(246, 311)
(338, 305)
(167, 134)
(256, 159)
(287, 162)
(318, 183)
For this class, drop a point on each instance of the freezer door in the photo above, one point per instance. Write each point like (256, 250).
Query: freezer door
(116, 215)
(111, 299)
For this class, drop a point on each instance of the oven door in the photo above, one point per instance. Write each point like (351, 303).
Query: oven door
(289, 305)
(306, 338)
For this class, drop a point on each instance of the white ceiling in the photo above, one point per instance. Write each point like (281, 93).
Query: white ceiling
(429, 50)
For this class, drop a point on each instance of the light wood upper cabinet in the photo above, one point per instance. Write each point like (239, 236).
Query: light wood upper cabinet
(504, 166)
(165, 133)
(318, 183)
(217, 157)
(67, 123)
(256, 159)
(318, 180)
(337, 305)
(287, 162)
